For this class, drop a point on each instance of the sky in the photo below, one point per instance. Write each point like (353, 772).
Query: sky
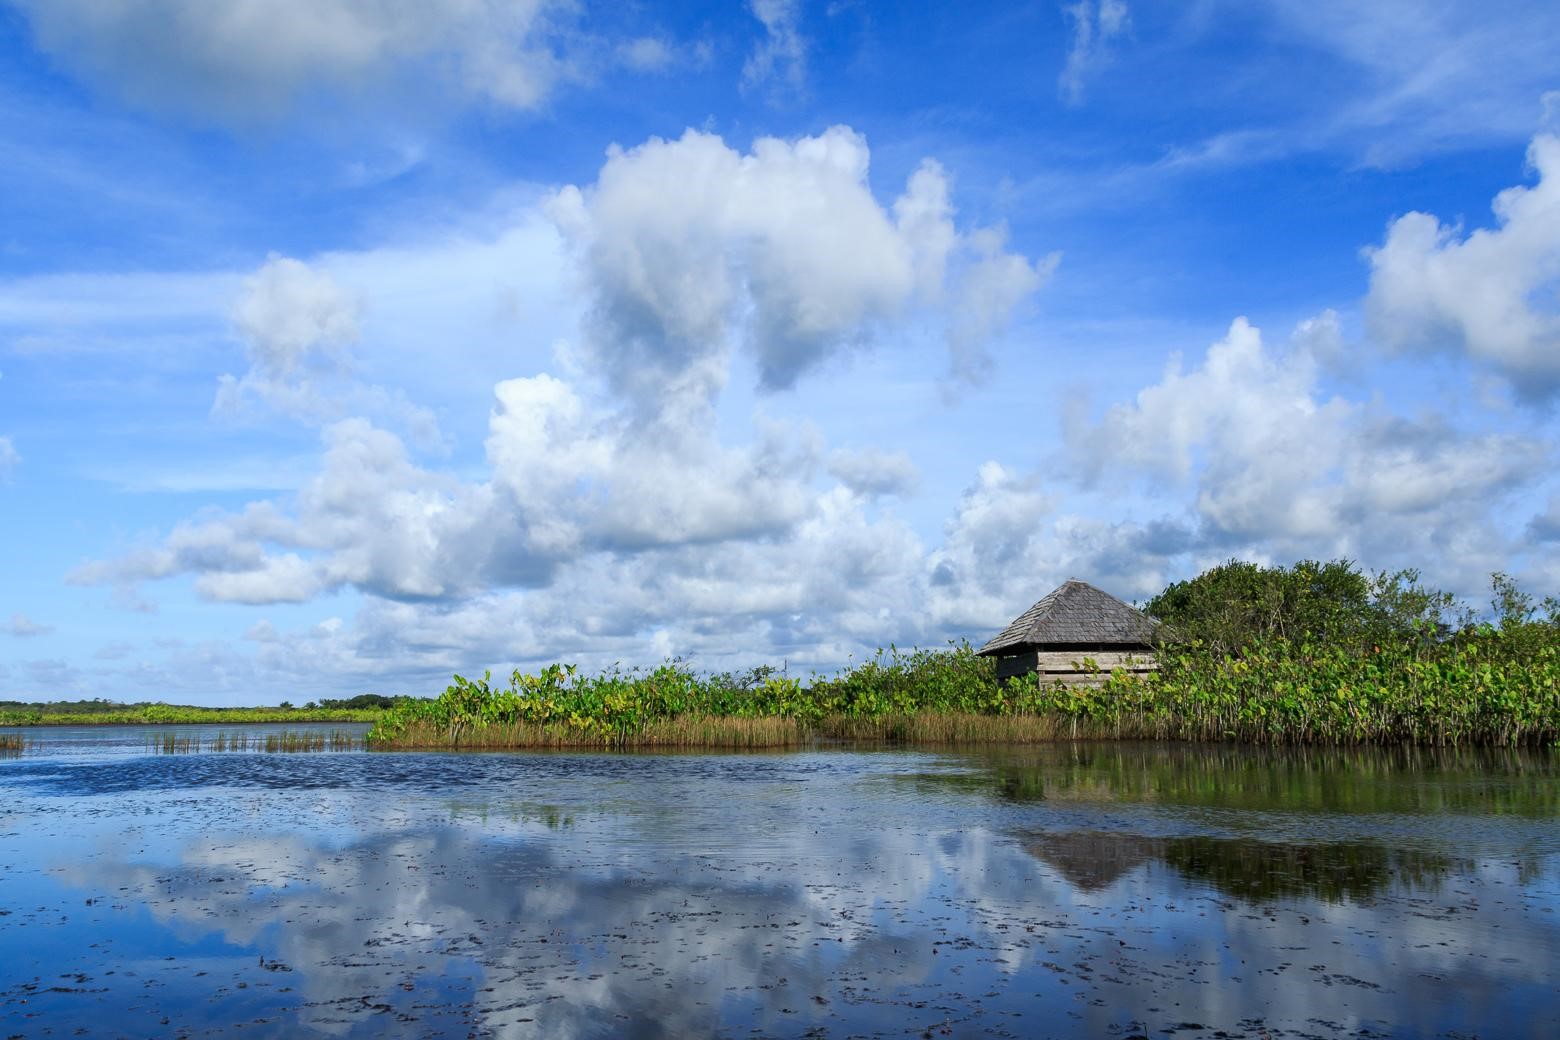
(346, 344)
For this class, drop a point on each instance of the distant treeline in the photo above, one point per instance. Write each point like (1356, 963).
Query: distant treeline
(109, 713)
(1312, 653)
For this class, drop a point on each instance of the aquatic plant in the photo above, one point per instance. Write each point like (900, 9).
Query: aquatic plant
(170, 743)
(288, 741)
(173, 744)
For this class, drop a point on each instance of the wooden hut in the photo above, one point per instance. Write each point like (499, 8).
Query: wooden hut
(1075, 623)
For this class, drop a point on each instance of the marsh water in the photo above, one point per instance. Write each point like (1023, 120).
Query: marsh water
(1090, 890)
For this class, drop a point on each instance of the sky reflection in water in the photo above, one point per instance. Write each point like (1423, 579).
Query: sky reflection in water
(1071, 891)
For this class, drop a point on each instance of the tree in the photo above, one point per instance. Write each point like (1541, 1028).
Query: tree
(1236, 604)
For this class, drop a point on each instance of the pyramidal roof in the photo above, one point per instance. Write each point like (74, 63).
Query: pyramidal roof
(1076, 614)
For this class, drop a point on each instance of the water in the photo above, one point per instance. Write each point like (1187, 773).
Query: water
(1070, 891)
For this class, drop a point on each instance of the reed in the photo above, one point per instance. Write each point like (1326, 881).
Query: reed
(12, 744)
(288, 742)
(285, 742)
(230, 742)
(174, 744)
(681, 732)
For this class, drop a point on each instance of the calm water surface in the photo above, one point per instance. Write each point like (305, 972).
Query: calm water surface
(1070, 891)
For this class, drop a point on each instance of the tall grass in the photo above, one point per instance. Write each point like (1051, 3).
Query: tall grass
(12, 744)
(678, 732)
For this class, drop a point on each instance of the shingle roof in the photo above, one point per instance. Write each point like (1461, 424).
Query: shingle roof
(1076, 614)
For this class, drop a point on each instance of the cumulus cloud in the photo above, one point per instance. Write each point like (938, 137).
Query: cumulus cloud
(253, 59)
(688, 245)
(1492, 294)
(23, 627)
(1094, 23)
(1276, 466)
(781, 56)
(565, 482)
(624, 475)
(10, 458)
(997, 535)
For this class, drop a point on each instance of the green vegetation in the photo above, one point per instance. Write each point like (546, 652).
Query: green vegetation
(108, 713)
(1310, 654)
(1237, 605)
(287, 741)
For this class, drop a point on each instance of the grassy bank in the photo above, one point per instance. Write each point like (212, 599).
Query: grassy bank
(1486, 687)
(174, 714)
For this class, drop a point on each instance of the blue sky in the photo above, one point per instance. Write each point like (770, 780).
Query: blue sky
(348, 343)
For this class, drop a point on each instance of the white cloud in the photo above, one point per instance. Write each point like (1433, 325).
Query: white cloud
(296, 324)
(23, 627)
(1493, 293)
(1414, 78)
(872, 472)
(647, 54)
(253, 59)
(625, 473)
(781, 56)
(991, 289)
(996, 540)
(688, 245)
(1277, 468)
(10, 458)
(1095, 23)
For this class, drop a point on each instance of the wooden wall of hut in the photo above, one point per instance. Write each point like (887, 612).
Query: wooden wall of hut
(1070, 666)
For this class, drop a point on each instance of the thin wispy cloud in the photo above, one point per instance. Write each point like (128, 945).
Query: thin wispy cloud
(778, 62)
(1095, 24)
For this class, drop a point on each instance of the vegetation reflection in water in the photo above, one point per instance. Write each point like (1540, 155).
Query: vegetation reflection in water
(1329, 780)
(1247, 868)
(1359, 783)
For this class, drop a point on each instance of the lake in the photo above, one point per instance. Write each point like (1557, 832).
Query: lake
(1091, 890)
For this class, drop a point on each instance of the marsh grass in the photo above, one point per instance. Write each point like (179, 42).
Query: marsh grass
(690, 732)
(12, 744)
(174, 744)
(288, 741)
(235, 742)
(285, 742)
(681, 732)
(960, 728)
